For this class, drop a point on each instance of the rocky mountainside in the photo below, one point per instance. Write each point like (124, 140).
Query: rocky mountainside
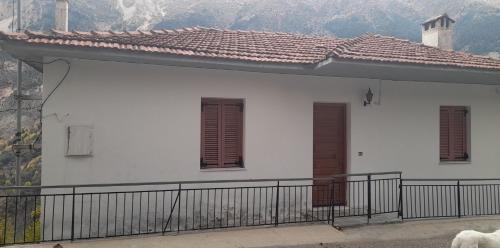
(343, 18)
(474, 32)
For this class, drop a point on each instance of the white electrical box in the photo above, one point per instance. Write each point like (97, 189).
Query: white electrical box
(79, 140)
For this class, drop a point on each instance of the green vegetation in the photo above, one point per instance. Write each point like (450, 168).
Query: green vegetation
(29, 234)
(19, 228)
(30, 173)
(33, 230)
(6, 236)
(31, 160)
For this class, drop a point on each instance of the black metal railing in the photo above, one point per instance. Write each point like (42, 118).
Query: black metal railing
(72, 212)
(441, 198)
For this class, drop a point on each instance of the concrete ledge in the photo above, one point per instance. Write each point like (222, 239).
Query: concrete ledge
(304, 236)
(259, 237)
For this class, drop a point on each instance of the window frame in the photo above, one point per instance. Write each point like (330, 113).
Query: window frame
(467, 134)
(221, 163)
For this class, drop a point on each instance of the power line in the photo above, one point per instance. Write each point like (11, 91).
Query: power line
(59, 82)
(53, 90)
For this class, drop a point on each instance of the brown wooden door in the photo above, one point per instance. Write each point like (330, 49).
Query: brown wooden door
(329, 152)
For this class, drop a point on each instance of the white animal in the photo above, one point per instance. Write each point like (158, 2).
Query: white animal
(474, 239)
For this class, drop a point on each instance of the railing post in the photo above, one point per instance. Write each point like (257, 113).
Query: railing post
(276, 217)
(179, 209)
(401, 214)
(369, 197)
(72, 215)
(459, 202)
(332, 203)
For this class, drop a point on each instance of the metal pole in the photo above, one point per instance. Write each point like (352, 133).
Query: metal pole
(277, 210)
(459, 202)
(19, 99)
(73, 215)
(331, 213)
(369, 197)
(179, 210)
(401, 211)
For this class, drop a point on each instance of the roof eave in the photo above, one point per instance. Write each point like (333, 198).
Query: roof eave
(35, 62)
(331, 67)
(408, 72)
(34, 54)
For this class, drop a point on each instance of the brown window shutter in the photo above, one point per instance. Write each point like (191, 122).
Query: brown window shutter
(232, 135)
(453, 133)
(444, 134)
(210, 135)
(459, 133)
(221, 133)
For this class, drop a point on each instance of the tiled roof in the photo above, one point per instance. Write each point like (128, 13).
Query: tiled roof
(376, 48)
(199, 42)
(265, 47)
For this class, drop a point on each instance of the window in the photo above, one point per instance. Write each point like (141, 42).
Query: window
(454, 133)
(221, 133)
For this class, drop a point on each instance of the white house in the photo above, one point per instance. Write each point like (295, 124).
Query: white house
(204, 104)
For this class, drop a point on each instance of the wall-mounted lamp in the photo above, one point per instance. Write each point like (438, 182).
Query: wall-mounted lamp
(369, 97)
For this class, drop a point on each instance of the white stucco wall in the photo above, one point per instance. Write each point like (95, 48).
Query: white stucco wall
(146, 122)
(440, 37)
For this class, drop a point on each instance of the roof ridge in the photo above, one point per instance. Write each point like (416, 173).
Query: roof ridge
(12, 35)
(197, 28)
(132, 33)
(80, 32)
(155, 32)
(116, 32)
(168, 31)
(347, 44)
(59, 32)
(54, 32)
(29, 32)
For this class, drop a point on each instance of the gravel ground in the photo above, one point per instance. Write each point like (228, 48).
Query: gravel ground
(410, 234)
(436, 242)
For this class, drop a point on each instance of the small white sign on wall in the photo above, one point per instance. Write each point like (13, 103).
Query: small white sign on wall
(79, 140)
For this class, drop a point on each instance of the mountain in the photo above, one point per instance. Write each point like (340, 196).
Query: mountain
(342, 18)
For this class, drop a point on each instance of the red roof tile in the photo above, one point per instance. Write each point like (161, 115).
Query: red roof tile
(259, 46)
(378, 48)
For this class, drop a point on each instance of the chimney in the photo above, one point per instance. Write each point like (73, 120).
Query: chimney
(438, 32)
(61, 20)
